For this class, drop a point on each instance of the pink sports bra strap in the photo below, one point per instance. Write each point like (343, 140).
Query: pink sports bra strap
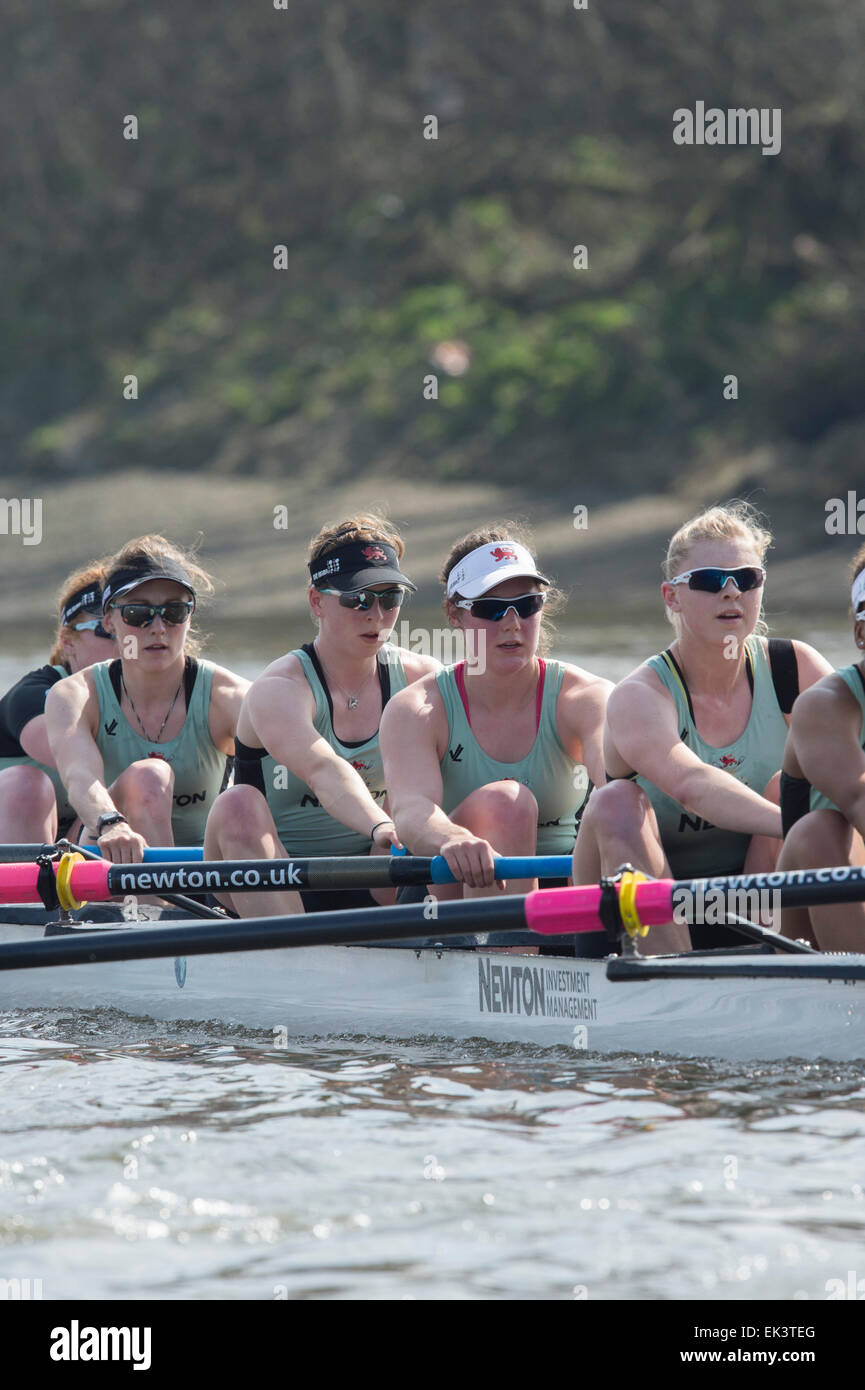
(460, 679)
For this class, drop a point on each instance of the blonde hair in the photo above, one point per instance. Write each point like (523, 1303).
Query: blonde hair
(488, 535)
(733, 521)
(155, 550)
(91, 575)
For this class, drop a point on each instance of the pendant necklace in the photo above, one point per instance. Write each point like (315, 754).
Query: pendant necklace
(138, 716)
(350, 700)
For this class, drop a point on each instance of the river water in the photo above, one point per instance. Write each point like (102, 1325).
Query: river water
(164, 1161)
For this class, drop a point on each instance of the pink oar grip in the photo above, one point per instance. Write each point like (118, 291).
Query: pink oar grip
(89, 882)
(557, 911)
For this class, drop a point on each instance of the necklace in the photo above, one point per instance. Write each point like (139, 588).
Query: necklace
(138, 716)
(351, 700)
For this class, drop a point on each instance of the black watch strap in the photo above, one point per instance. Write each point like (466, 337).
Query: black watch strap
(112, 818)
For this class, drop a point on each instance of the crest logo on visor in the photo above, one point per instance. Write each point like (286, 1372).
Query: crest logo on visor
(373, 552)
(504, 552)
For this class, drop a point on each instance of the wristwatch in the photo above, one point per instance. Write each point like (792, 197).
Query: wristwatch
(112, 818)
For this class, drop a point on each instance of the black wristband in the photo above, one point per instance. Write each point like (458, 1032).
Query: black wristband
(378, 827)
(112, 818)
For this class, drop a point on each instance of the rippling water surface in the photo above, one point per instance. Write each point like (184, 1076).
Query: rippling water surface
(210, 1164)
(155, 1161)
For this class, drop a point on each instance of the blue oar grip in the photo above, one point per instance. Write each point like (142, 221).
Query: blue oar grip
(533, 866)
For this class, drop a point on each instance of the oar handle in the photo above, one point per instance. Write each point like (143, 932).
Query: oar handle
(96, 879)
(553, 911)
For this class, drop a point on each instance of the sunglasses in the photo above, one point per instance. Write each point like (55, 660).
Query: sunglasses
(93, 625)
(711, 580)
(492, 610)
(365, 598)
(176, 611)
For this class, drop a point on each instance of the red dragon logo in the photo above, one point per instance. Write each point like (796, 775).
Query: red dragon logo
(373, 552)
(504, 552)
(728, 761)
(359, 766)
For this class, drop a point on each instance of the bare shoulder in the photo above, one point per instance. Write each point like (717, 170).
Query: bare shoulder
(643, 681)
(225, 682)
(421, 696)
(583, 696)
(72, 692)
(283, 682)
(823, 702)
(811, 664)
(577, 681)
(416, 665)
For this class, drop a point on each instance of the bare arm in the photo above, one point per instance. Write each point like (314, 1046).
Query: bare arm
(280, 710)
(34, 740)
(71, 710)
(413, 734)
(227, 693)
(643, 730)
(825, 736)
(811, 665)
(580, 715)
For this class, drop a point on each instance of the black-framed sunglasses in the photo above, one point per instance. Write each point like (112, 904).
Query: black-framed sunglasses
(93, 625)
(709, 579)
(365, 598)
(492, 610)
(176, 611)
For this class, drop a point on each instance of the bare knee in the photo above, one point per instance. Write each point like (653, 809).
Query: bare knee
(29, 787)
(239, 815)
(506, 805)
(818, 839)
(145, 786)
(615, 809)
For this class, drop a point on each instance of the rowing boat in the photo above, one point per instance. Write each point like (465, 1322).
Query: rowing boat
(736, 1008)
(395, 972)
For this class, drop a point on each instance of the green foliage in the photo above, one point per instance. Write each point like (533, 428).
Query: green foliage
(407, 256)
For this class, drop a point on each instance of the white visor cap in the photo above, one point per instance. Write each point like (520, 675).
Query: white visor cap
(489, 565)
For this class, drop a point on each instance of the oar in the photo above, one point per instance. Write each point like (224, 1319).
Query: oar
(97, 879)
(549, 911)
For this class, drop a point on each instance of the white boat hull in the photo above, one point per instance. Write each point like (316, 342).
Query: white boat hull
(403, 993)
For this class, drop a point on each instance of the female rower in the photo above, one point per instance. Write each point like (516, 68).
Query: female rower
(823, 788)
(33, 804)
(143, 742)
(308, 774)
(695, 736)
(495, 755)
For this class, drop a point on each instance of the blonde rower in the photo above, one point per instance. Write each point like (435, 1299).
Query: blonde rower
(308, 776)
(695, 736)
(494, 756)
(823, 788)
(143, 742)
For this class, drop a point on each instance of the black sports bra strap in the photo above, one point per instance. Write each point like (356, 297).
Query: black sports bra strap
(785, 671)
(190, 674)
(114, 677)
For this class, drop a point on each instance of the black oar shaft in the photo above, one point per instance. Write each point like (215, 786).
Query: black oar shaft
(505, 913)
(262, 876)
(796, 888)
